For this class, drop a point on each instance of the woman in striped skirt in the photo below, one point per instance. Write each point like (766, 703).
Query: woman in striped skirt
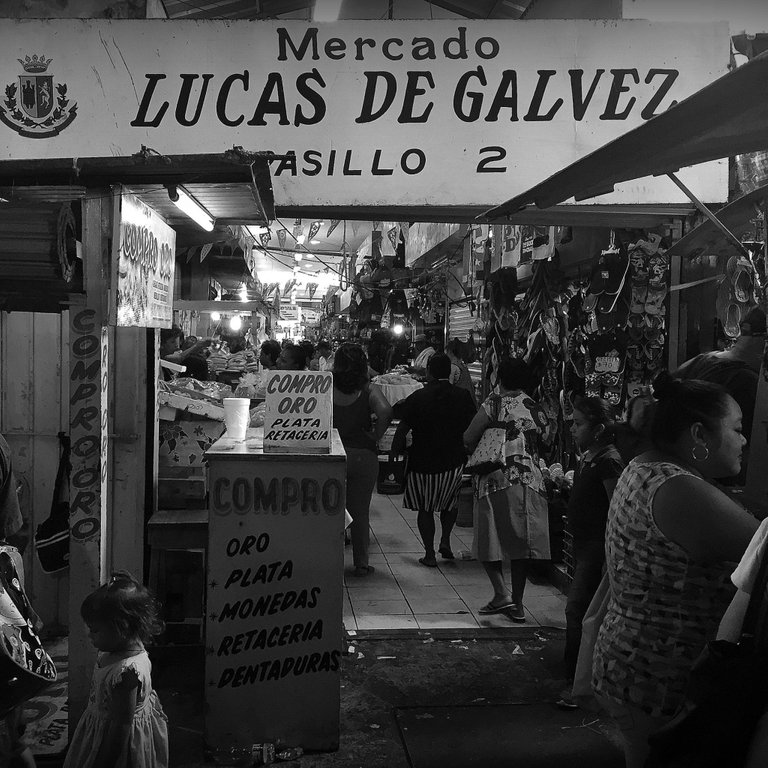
(437, 416)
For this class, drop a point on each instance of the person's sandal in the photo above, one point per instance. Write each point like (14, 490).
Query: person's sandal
(517, 613)
(363, 570)
(429, 561)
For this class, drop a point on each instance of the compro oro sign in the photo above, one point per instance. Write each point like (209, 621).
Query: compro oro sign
(144, 262)
(299, 412)
(404, 113)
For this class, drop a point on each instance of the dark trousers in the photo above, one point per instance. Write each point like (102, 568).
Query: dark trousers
(589, 558)
(362, 472)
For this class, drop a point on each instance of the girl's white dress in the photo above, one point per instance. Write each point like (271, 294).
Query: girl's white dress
(148, 741)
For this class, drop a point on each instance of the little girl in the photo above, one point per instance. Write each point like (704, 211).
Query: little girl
(124, 724)
(596, 476)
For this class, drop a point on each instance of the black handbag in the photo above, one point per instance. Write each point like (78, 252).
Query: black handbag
(52, 535)
(727, 693)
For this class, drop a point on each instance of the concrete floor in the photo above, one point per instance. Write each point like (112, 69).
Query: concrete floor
(403, 594)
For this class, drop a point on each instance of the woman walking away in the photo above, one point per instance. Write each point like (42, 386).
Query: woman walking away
(511, 514)
(460, 376)
(124, 725)
(355, 401)
(437, 415)
(671, 539)
(596, 475)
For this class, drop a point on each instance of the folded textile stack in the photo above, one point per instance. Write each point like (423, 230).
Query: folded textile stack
(218, 361)
(240, 360)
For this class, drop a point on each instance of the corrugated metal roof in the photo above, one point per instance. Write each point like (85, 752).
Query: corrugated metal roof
(270, 9)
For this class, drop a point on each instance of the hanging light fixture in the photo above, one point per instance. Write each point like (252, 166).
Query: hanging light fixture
(186, 203)
(235, 323)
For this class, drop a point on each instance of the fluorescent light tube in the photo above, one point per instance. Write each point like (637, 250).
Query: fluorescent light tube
(186, 203)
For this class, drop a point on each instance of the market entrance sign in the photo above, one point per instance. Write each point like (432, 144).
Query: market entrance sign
(145, 265)
(400, 113)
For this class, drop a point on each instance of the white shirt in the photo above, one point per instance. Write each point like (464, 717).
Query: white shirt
(746, 571)
(423, 357)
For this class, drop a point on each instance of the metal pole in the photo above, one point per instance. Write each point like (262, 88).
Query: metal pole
(711, 216)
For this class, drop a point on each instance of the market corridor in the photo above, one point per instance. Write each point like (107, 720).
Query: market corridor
(402, 594)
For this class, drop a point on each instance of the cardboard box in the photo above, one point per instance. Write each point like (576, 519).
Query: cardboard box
(192, 406)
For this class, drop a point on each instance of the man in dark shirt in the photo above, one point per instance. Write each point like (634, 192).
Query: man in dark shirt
(437, 415)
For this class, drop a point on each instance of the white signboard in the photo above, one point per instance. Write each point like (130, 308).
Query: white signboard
(406, 113)
(299, 412)
(145, 262)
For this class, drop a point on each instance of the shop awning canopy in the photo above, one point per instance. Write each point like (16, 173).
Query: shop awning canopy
(235, 187)
(728, 117)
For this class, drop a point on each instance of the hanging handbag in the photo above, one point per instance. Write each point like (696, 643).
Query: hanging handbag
(25, 667)
(52, 535)
(726, 696)
(490, 452)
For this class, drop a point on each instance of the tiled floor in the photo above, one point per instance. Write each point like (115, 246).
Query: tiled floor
(403, 594)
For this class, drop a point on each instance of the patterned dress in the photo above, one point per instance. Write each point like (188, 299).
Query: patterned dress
(511, 520)
(148, 740)
(664, 605)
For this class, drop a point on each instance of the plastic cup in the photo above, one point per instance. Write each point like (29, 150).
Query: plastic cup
(237, 416)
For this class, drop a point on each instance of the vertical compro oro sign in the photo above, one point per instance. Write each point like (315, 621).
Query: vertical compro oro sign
(144, 265)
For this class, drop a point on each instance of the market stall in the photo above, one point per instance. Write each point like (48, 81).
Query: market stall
(725, 256)
(273, 573)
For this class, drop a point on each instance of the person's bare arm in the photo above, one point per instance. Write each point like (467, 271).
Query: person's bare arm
(475, 430)
(702, 519)
(382, 409)
(398, 441)
(733, 618)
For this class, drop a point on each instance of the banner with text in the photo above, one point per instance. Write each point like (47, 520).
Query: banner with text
(145, 266)
(399, 113)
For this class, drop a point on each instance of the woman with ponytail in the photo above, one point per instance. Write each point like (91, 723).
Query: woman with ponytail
(671, 541)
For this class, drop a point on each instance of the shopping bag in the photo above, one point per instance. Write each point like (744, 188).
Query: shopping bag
(490, 453)
(590, 626)
(25, 667)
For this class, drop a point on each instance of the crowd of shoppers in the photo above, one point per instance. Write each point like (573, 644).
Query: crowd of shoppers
(645, 509)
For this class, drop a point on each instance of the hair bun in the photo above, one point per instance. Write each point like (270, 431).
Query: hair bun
(664, 385)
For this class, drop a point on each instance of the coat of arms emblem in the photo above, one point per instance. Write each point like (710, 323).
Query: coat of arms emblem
(36, 107)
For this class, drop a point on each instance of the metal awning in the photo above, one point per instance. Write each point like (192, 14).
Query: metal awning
(235, 187)
(707, 238)
(728, 117)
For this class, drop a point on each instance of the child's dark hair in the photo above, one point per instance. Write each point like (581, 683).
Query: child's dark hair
(597, 411)
(125, 604)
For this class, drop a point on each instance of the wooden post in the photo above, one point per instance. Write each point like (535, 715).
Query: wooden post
(89, 378)
(125, 539)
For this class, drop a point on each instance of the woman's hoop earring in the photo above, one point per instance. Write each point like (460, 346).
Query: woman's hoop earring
(700, 458)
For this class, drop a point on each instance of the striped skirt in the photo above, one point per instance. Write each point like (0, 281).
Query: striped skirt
(432, 492)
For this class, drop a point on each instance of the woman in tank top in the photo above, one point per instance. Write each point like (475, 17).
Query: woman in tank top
(355, 400)
(671, 540)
